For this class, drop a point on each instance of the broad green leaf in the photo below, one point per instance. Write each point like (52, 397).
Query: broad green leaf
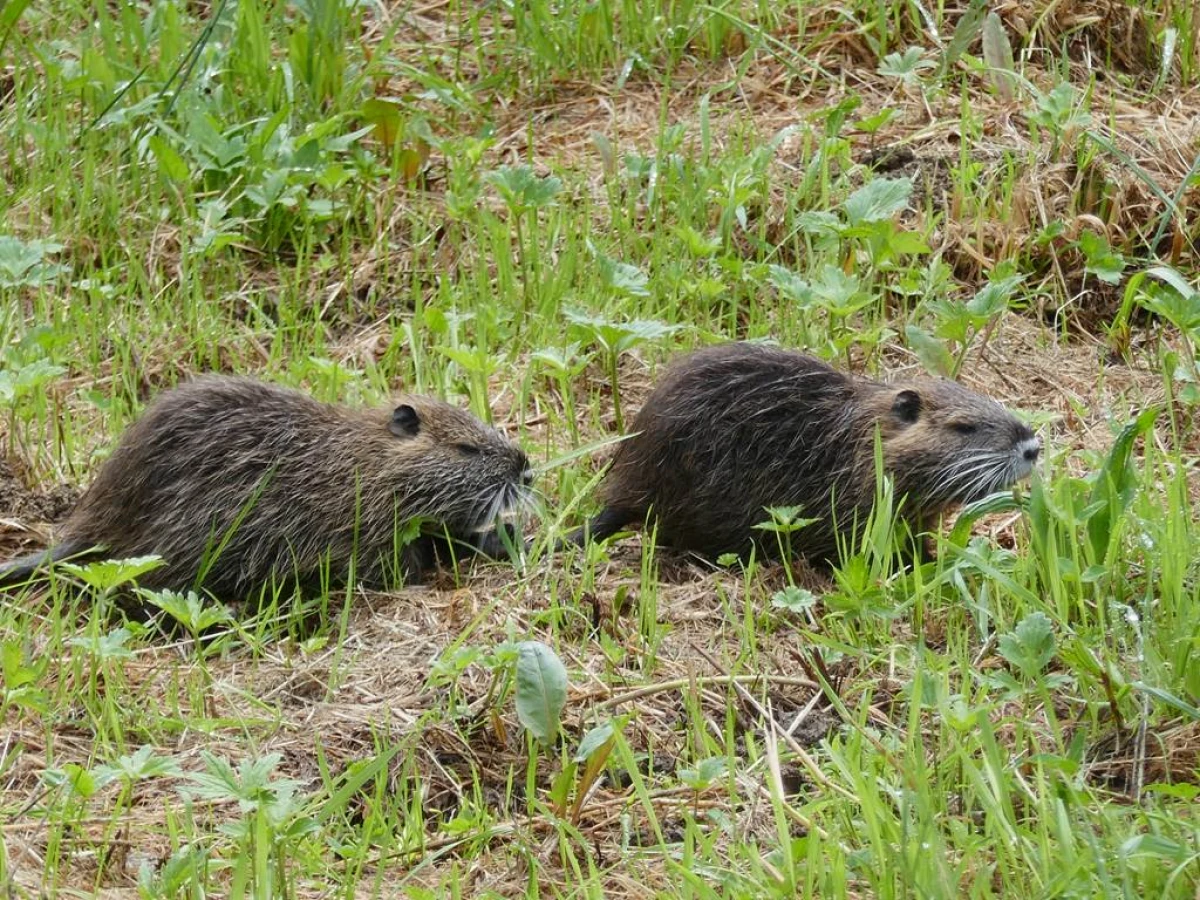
(838, 292)
(699, 245)
(964, 33)
(906, 243)
(1030, 646)
(878, 200)
(104, 646)
(1180, 791)
(564, 360)
(82, 782)
(998, 54)
(1100, 259)
(930, 351)
(624, 278)
(994, 297)
(705, 773)
(139, 765)
(188, 609)
(953, 320)
(1116, 483)
(1158, 846)
(1181, 310)
(872, 124)
(818, 222)
(27, 379)
(385, 117)
(790, 285)
(784, 519)
(24, 264)
(794, 599)
(639, 331)
(250, 784)
(594, 740)
(110, 573)
(541, 689)
(13, 666)
(906, 66)
(1056, 110)
(170, 163)
(477, 360)
(521, 189)
(1174, 279)
(620, 336)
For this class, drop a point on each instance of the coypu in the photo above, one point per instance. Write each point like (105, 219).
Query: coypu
(738, 427)
(239, 484)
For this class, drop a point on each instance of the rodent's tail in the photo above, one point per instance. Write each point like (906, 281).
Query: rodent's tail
(610, 520)
(26, 568)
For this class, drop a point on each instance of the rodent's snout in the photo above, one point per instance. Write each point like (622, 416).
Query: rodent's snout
(1026, 444)
(1029, 448)
(524, 469)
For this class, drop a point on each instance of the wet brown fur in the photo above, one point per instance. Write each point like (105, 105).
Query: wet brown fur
(735, 428)
(289, 489)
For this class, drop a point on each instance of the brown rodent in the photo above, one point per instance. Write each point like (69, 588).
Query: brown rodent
(738, 427)
(239, 484)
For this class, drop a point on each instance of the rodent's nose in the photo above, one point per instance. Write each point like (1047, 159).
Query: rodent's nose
(524, 470)
(1029, 449)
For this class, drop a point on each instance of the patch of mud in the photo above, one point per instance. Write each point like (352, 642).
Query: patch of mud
(932, 174)
(25, 513)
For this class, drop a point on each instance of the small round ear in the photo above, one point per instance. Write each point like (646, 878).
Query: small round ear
(906, 406)
(405, 422)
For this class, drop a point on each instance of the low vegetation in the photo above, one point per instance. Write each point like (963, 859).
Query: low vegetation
(526, 208)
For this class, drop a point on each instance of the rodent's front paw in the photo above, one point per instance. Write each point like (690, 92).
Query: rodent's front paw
(500, 542)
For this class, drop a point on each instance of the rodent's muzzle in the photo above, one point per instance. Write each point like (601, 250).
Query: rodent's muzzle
(524, 470)
(1026, 449)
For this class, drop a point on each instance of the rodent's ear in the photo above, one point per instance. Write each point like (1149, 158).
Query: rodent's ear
(907, 406)
(405, 422)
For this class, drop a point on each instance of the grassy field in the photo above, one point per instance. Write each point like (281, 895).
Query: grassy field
(526, 208)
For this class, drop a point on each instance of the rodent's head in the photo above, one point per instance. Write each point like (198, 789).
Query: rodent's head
(947, 445)
(466, 473)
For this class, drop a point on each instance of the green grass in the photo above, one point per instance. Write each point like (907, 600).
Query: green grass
(526, 208)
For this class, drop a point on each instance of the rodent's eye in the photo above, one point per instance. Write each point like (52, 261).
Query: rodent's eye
(906, 406)
(467, 449)
(964, 427)
(405, 422)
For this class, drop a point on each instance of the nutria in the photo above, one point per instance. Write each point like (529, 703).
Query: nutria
(735, 428)
(239, 484)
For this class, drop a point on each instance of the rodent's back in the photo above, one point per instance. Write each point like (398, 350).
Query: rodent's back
(727, 427)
